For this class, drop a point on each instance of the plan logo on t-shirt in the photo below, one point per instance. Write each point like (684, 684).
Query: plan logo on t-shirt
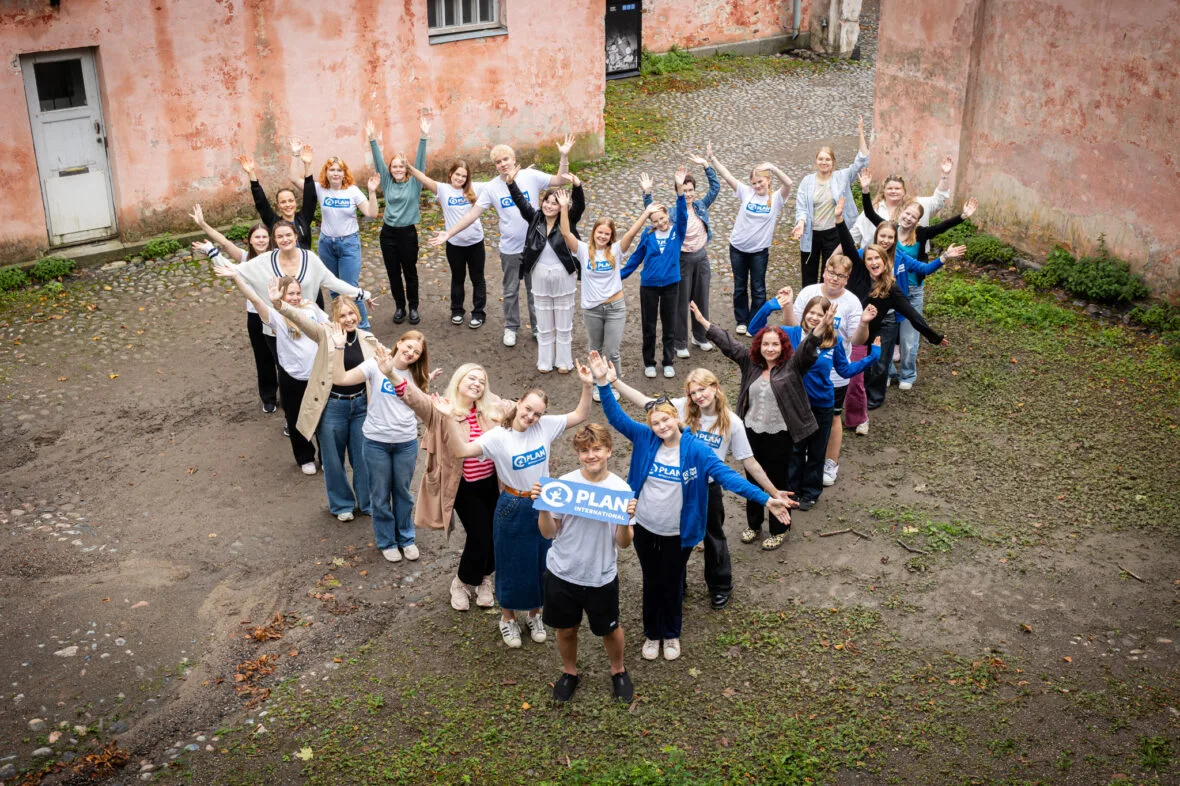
(757, 207)
(662, 242)
(532, 458)
(710, 438)
(599, 266)
(664, 472)
(506, 201)
(458, 201)
(387, 387)
(334, 201)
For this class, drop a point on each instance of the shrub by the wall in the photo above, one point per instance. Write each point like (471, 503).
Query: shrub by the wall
(957, 235)
(989, 250)
(160, 247)
(51, 268)
(1101, 277)
(238, 232)
(12, 278)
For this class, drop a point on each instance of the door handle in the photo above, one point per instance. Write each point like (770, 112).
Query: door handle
(97, 127)
(74, 170)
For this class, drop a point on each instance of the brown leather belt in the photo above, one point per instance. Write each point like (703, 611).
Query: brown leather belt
(517, 492)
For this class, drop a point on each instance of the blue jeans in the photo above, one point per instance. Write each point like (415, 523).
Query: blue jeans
(910, 338)
(391, 468)
(749, 274)
(342, 256)
(340, 431)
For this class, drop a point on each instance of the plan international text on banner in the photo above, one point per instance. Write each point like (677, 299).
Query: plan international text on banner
(585, 500)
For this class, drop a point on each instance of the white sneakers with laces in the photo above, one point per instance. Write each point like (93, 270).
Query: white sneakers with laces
(510, 631)
(308, 468)
(649, 372)
(411, 552)
(460, 599)
(484, 596)
(831, 468)
(392, 555)
(536, 628)
(509, 338)
(671, 649)
(651, 649)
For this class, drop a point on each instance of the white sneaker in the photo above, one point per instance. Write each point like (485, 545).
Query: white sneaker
(669, 372)
(346, 516)
(682, 353)
(536, 628)
(411, 552)
(863, 429)
(510, 631)
(308, 468)
(485, 597)
(703, 346)
(904, 385)
(510, 341)
(393, 555)
(595, 395)
(649, 372)
(460, 599)
(671, 649)
(651, 649)
(830, 470)
(740, 330)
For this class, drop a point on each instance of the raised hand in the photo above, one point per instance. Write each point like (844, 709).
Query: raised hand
(224, 270)
(709, 151)
(563, 199)
(425, 118)
(272, 289)
(584, 373)
(866, 180)
(611, 374)
(829, 319)
(947, 165)
(860, 125)
(305, 154)
(370, 130)
(969, 208)
(698, 160)
(442, 405)
(598, 367)
(338, 337)
(198, 215)
(681, 174)
(645, 182)
(204, 246)
(384, 361)
(565, 147)
(572, 179)
(247, 165)
(434, 375)
(868, 315)
(654, 207)
(512, 173)
(785, 297)
(296, 145)
(374, 181)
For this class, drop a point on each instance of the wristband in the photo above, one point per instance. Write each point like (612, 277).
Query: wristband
(213, 252)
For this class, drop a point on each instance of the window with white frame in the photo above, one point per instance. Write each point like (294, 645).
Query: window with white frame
(461, 16)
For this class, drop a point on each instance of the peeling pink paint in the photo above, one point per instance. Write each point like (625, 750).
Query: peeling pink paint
(668, 23)
(179, 109)
(1057, 111)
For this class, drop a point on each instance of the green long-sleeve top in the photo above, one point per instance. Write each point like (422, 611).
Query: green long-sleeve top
(401, 199)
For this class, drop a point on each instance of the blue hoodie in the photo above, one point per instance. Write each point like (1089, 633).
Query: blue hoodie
(661, 263)
(818, 380)
(693, 453)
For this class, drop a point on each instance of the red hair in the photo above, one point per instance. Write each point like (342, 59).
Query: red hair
(756, 347)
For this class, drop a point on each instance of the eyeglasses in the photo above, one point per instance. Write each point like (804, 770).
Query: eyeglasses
(835, 276)
(655, 402)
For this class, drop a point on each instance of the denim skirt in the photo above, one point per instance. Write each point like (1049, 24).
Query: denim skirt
(520, 552)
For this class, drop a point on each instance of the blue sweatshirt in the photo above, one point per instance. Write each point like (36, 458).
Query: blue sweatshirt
(694, 455)
(818, 380)
(660, 258)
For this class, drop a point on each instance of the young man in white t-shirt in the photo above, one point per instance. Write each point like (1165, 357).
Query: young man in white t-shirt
(582, 569)
(494, 193)
(851, 329)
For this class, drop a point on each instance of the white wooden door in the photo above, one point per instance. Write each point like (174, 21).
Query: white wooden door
(69, 137)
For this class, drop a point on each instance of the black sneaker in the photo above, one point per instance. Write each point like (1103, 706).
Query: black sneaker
(622, 687)
(399, 316)
(563, 689)
(414, 318)
(719, 600)
(806, 504)
(269, 408)
(476, 323)
(286, 431)
(456, 319)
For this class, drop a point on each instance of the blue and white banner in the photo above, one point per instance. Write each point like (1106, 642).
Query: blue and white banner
(585, 500)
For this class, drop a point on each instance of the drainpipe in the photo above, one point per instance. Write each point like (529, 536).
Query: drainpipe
(797, 9)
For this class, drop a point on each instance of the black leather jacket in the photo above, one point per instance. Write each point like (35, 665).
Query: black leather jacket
(536, 237)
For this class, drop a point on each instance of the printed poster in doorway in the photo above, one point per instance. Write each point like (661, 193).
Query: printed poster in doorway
(623, 37)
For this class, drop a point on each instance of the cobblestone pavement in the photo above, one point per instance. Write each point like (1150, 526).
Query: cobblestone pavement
(149, 507)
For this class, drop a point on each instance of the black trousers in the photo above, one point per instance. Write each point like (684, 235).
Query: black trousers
(265, 364)
(773, 452)
(399, 250)
(662, 560)
(467, 261)
(291, 390)
(718, 569)
(824, 243)
(475, 505)
(658, 302)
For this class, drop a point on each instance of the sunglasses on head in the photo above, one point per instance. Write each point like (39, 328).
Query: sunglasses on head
(655, 402)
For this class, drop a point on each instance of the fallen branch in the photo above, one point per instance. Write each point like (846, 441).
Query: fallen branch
(861, 535)
(1132, 574)
(835, 532)
(911, 549)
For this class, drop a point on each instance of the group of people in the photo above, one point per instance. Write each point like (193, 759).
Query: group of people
(358, 402)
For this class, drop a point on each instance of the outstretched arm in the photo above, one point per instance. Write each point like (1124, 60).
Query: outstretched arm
(759, 476)
(571, 240)
(579, 415)
(563, 165)
(301, 155)
(228, 246)
(369, 207)
(526, 210)
(231, 272)
(620, 420)
(629, 235)
(729, 179)
(261, 204)
(427, 183)
(340, 375)
(460, 447)
(469, 218)
(782, 302)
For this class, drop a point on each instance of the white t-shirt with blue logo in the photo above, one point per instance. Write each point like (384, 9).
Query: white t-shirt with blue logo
(848, 314)
(338, 210)
(662, 495)
(389, 419)
(454, 206)
(296, 354)
(513, 227)
(522, 457)
(721, 444)
(753, 229)
(584, 551)
(600, 281)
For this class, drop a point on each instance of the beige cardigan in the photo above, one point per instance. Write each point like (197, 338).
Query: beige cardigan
(319, 384)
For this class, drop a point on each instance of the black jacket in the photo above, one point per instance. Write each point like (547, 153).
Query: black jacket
(536, 237)
(303, 216)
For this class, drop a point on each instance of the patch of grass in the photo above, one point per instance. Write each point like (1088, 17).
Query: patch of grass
(990, 304)
(160, 247)
(957, 235)
(989, 250)
(238, 232)
(12, 278)
(52, 268)
(1155, 753)
(673, 61)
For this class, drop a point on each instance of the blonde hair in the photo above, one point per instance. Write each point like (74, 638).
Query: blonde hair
(510, 415)
(884, 282)
(829, 339)
(405, 163)
(609, 251)
(841, 261)
(349, 180)
(692, 413)
(499, 151)
(341, 303)
(831, 154)
(481, 404)
(665, 407)
(593, 434)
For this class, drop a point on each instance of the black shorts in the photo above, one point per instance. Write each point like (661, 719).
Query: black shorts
(838, 408)
(565, 602)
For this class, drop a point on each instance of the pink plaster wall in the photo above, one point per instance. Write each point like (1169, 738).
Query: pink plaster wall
(1060, 114)
(668, 23)
(188, 86)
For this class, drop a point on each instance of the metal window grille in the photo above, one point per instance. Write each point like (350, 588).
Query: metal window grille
(457, 16)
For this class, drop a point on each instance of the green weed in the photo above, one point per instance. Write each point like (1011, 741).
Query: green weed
(160, 247)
